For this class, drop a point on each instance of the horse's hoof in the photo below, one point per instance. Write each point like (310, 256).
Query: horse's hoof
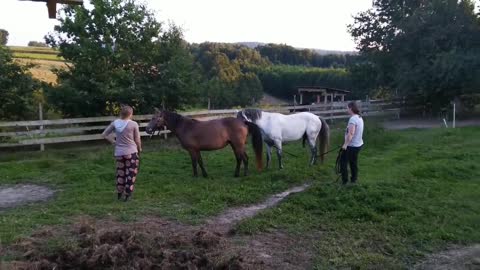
(205, 175)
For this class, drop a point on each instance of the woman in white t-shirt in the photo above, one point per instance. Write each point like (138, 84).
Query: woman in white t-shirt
(353, 144)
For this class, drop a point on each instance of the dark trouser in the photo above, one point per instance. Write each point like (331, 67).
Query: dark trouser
(350, 156)
(127, 170)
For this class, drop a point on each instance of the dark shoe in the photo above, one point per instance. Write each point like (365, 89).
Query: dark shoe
(126, 197)
(119, 196)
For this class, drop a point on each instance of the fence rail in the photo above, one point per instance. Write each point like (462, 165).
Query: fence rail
(41, 132)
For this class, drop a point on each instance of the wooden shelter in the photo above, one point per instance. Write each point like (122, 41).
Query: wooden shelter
(52, 5)
(327, 94)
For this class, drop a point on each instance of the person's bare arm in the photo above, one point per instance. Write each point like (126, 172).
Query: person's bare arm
(138, 140)
(349, 136)
(107, 132)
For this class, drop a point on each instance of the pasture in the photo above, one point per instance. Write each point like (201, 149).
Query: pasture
(418, 194)
(44, 60)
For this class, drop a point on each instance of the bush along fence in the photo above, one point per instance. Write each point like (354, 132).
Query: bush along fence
(42, 132)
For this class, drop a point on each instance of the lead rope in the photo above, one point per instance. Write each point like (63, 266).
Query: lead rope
(338, 165)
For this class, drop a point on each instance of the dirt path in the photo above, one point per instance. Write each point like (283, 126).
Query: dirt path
(462, 258)
(12, 196)
(225, 221)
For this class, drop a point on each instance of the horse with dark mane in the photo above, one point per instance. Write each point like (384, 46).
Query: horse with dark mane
(196, 136)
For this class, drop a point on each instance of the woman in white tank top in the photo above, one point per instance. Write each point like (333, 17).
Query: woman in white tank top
(353, 144)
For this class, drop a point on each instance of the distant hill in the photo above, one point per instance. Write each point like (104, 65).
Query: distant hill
(254, 44)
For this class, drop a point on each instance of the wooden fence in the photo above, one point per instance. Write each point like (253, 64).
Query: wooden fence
(41, 132)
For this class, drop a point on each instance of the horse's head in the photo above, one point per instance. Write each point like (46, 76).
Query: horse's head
(250, 115)
(157, 121)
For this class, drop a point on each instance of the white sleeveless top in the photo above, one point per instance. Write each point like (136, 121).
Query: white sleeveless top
(357, 139)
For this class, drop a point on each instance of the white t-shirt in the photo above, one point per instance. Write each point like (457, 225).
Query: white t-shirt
(357, 139)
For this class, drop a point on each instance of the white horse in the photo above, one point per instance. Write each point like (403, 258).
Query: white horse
(278, 128)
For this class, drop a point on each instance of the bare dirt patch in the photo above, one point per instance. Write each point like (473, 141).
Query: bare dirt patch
(154, 243)
(459, 258)
(12, 196)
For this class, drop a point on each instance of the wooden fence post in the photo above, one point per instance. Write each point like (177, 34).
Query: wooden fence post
(40, 117)
(294, 102)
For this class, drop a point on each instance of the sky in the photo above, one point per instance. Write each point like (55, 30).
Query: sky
(320, 24)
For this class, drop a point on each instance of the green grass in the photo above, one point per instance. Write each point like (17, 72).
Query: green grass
(24, 48)
(39, 56)
(38, 53)
(419, 191)
(85, 181)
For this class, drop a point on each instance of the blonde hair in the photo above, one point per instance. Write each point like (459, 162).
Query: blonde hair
(126, 111)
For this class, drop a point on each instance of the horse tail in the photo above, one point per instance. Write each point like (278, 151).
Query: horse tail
(257, 143)
(304, 139)
(324, 139)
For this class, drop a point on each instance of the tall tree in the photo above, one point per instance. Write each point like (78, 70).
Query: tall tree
(17, 89)
(427, 49)
(113, 50)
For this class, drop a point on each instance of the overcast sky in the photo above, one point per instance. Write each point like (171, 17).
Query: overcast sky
(320, 24)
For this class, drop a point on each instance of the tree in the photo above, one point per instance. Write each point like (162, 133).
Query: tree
(36, 44)
(429, 50)
(228, 71)
(17, 89)
(3, 37)
(119, 53)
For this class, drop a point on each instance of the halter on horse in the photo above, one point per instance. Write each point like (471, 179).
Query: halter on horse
(196, 136)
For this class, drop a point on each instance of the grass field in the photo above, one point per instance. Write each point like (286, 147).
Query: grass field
(43, 59)
(37, 53)
(418, 193)
(50, 57)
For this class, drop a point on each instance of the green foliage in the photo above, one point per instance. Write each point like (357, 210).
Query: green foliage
(3, 37)
(115, 49)
(227, 69)
(428, 50)
(282, 81)
(17, 89)
(37, 44)
(288, 55)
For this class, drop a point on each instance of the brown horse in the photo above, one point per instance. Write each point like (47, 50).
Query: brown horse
(196, 136)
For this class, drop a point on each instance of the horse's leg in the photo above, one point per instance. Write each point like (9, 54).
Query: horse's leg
(238, 156)
(194, 156)
(245, 163)
(269, 154)
(278, 145)
(200, 162)
(313, 149)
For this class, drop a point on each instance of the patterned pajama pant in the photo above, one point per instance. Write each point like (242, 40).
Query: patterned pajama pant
(127, 170)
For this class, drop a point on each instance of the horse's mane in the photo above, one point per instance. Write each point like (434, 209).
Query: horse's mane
(174, 119)
(253, 114)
